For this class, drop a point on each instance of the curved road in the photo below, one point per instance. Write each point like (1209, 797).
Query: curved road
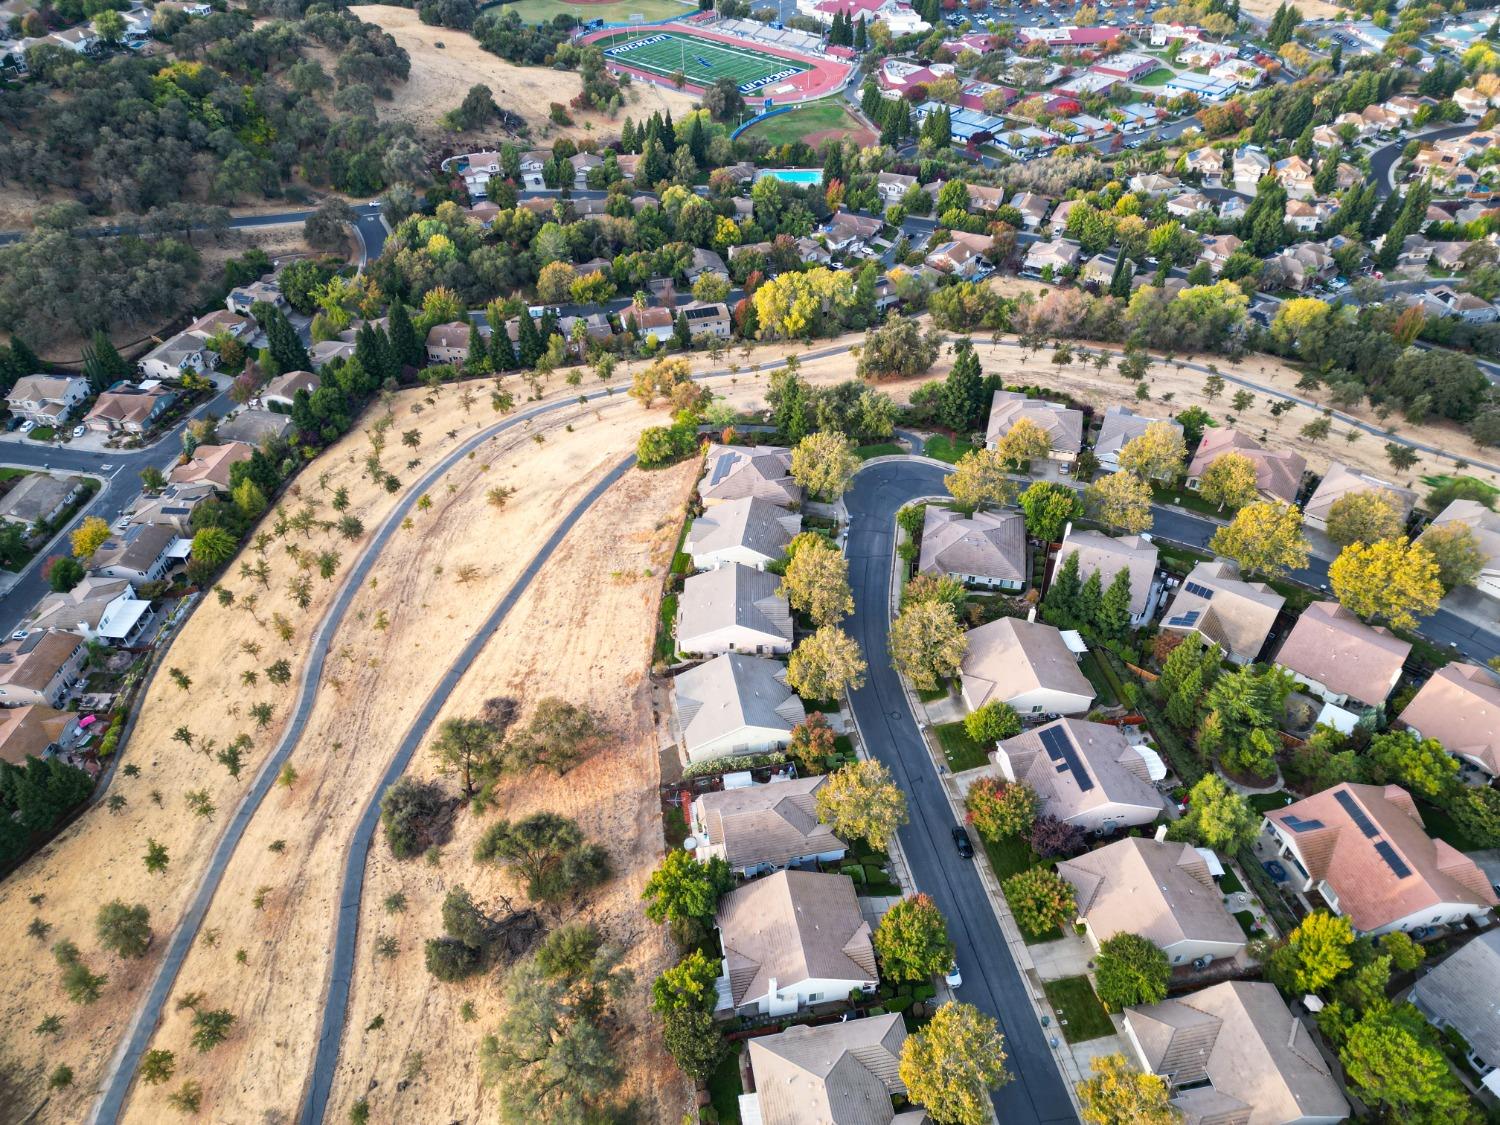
(889, 730)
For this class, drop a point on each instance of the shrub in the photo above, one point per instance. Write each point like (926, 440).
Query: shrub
(415, 815)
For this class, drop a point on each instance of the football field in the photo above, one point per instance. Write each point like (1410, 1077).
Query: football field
(701, 61)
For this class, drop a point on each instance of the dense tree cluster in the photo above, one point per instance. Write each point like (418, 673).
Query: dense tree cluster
(33, 798)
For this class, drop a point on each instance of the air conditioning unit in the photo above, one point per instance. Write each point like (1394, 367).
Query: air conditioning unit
(1202, 963)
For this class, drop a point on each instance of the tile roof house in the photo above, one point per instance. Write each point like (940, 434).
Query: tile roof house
(282, 390)
(46, 399)
(1364, 849)
(97, 608)
(131, 410)
(32, 730)
(735, 608)
(734, 472)
(141, 553)
(1486, 527)
(1085, 773)
(188, 350)
(892, 186)
(1341, 481)
(1219, 249)
(1235, 1053)
(42, 667)
(1026, 664)
(1120, 425)
(1460, 707)
(1159, 889)
(835, 1074)
(1063, 425)
(1207, 162)
(734, 705)
(211, 464)
(1109, 555)
(1278, 472)
(986, 549)
(38, 498)
(1341, 658)
(241, 298)
(1250, 164)
(1296, 175)
(1460, 993)
(762, 828)
(1299, 267)
(1033, 208)
(1235, 615)
(748, 531)
(793, 939)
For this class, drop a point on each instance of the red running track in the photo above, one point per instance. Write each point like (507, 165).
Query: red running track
(822, 77)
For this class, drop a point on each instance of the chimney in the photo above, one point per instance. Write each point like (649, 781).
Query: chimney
(1161, 833)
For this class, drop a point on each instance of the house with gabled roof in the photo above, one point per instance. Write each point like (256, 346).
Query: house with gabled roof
(1059, 255)
(734, 472)
(734, 705)
(1084, 773)
(104, 609)
(834, 1074)
(1341, 481)
(748, 531)
(1062, 424)
(1236, 615)
(1120, 425)
(1278, 472)
(211, 464)
(40, 667)
(46, 400)
(1365, 851)
(39, 498)
(1109, 554)
(1026, 664)
(1234, 1052)
(760, 828)
(986, 549)
(1485, 524)
(735, 608)
(33, 730)
(1460, 994)
(791, 940)
(141, 552)
(1460, 707)
(1340, 658)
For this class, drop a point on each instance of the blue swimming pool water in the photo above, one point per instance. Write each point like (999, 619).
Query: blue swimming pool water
(795, 175)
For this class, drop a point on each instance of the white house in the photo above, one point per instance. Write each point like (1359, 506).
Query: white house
(735, 705)
(735, 608)
(1088, 774)
(1025, 664)
(748, 531)
(761, 828)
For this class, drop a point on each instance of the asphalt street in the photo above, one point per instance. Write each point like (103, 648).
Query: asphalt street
(991, 981)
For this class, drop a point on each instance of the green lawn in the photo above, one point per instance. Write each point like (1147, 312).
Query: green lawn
(666, 643)
(42, 433)
(1180, 560)
(542, 11)
(12, 474)
(962, 752)
(724, 1087)
(1104, 694)
(1444, 827)
(1190, 501)
(881, 449)
(1008, 857)
(1265, 802)
(939, 692)
(948, 449)
(1078, 1010)
(1158, 77)
(788, 128)
(1230, 883)
(1246, 919)
(1440, 479)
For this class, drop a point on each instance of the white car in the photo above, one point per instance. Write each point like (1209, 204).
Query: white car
(27, 426)
(954, 977)
(79, 431)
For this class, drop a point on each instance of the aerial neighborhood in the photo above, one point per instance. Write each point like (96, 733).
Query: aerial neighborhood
(847, 562)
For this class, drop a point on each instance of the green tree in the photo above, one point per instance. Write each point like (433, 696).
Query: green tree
(1317, 953)
(861, 801)
(981, 477)
(1456, 549)
(64, 573)
(1390, 1063)
(695, 1041)
(951, 1066)
(817, 580)
(213, 546)
(157, 1066)
(927, 644)
(825, 664)
(546, 851)
(898, 349)
(1244, 710)
(993, 722)
(1000, 810)
(469, 748)
(1218, 817)
(126, 930)
(1049, 507)
(1061, 601)
(1041, 900)
(687, 985)
(685, 893)
(912, 940)
(1131, 971)
(1113, 618)
(1420, 765)
(963, 400)
(824, 464)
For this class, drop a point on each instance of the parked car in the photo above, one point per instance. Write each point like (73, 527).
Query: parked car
(79, 431)
(954, 977)
(962, 842)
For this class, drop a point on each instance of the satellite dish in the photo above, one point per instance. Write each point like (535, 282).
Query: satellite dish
(690, 844)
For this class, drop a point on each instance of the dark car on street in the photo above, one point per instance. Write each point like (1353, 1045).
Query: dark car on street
(962, 842)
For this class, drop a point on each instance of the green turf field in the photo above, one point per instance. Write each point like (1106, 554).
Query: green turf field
(617, 11)
(701, 61)
(802, 122)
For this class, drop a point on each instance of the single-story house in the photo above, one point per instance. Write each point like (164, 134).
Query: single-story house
(834, 1074)
(1063, 425)
(1460, 707)
(986, 549)
(1235, 615)
(1057, 256)
(1084, 773)
(46, 400)
(241, 298)
(253, 426)
(1341, 658)
(39, 498)
(282, 390)
(211, 464)
(734, 472)
(735, 608)
(40, 667)
(734, 705)
(1025, 664)
(1485, 525)
(1109, 555)
(748, 531)
(1120, 425)
(760, 828)
(1278, 472)
(1341, 481)
(173, 506)
(1460, 994)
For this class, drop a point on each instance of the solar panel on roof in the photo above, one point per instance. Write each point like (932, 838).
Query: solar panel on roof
(721, 468)
(1392, 860)
(1356, 814)
(1297, 824)
(1198, 591)
(1062, 752)
(1184, 620)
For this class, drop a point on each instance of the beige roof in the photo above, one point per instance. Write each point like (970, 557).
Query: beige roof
(986, 545)
(732, 472)
(1341, 481)
(211, 463)
(1278, 472)
(84, 604)
(755, 525)
(36, 496)
(28, 731)
(1235, 615)
(790, 927)
(1010, 657)
(41, 388)
(1484, 523)
(1109, 770)
(1263, 1065)
(1161, 890)
(1338, 650)
(836, 1074)
(1460, 707)
(135, 548)
(126, 406)
(773, 824)
(733, 595)
(1121, 424)
(454, 334)
(1062, 424)
(731, 692)
(1371, 892)
(34, 660)
(287, 386)
(1110, 555)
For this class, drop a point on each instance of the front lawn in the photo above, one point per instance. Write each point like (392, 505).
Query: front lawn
(939, 692)
(1189, 500)
(1079, 1012)
(961, 751)
(1266, 802)
(724, 1087)
(880, 449)
(1009, 856)
(948, 449)
(42, 433)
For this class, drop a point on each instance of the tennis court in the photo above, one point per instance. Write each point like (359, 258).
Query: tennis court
(701, 61)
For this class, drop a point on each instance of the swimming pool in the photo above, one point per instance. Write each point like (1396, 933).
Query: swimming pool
(794, 175)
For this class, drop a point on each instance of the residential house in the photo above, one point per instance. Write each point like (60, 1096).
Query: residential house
(1485, 525)
(707, 318)
(835, 1074)
(762, 472)
(142, 552)
(1088, 774)
(986, 549)
(735, 705)
(34, 731)
(1234, 1052)
(243, 297)
(735, 608)
(748, 531)
(1296, 176)
(761, 828)
(1341, 481)
(39, 498)
(103, 609)
(211, 464)
(533, 162)
(1188, 204)
(1250, 164)
(983, 199)
(1158, 889)
(324, 352)
(1278, 472)
(1363, 129)
(1061, 212)
(847, 231)
(791, 940)
(957, 259)
(475, 169)
(656, 322)
(1365, 851)
(704, 262)
(893, 187)
(81, 40)
(1207, 162)
(449, 343)
(282, 390)
(1063, 425)
(1119, 426)
(1299, 268)
(1218, 249)
(1235, 615)
(253, 426)
(1051, 259)
(1033, 208)
(1109, 555)
(1341, 659)
(1460, 707)
(1326, 136)
(1153, 183)
(584, 163)
(46, 400)
(1302, 215)
(1471, 101)
(40, 667)
(188, 351)
(1459, 995)
(1383, 120)
(1026, 664)
(132, 410)
(172, 506)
